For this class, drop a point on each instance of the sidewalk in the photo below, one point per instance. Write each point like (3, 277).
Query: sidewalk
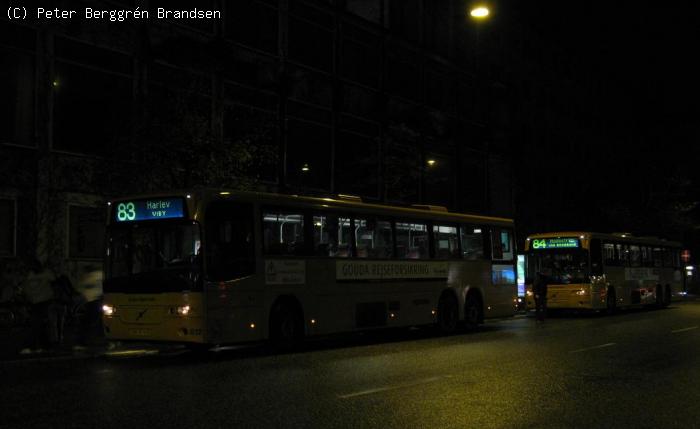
(16, 342)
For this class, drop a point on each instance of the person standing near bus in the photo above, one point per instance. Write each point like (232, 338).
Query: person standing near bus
(62, 301)
(39, 294)
(539, 289)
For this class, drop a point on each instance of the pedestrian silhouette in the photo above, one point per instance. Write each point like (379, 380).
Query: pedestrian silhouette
(38, 292)
(539, 289)
(60, 304)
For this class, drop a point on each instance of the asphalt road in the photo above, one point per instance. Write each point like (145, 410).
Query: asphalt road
(637, 369)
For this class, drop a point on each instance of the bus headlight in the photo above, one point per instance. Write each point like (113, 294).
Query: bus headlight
(529, 293)
(183, 311)
(108, 310)
(581, 292)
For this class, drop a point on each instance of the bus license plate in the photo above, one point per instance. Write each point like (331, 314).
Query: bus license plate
(141, 332)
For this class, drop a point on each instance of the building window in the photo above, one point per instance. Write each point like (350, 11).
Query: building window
(8, 226)
(370, 10)
(86, 231)
(438, 183)
(88, 120)
(310, 87)
(308, 155)
(357, 164)
(472, 183)
(401, 172)
(404, 18)
(361, 59)
(310, 44)
(17, 101)
(252, 23)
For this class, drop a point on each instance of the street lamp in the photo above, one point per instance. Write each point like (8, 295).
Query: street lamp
(479, 12)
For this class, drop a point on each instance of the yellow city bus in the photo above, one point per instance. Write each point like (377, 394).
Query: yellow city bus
(592, 271)
(218, 266)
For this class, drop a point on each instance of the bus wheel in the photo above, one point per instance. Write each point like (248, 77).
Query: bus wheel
(472, 312)
(448, 313)
(667, 295)
(659, 296)
(611, 302)
(286, 330)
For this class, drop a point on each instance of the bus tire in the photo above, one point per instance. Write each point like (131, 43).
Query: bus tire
(659, 292)
(667, 295)
(447, 313)
(473, 312)
(611, 302)
(286, 327)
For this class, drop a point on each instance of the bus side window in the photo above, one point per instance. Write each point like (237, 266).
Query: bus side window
(609, 254)
(502, 244)
(472, 237)
(283, 233)
(635, 256)
(668, 257)
(596, 258)
(676, 258)
(373, 238)
(623, 255)
(412, 240)
(445, 239)
(646, 257)
(331, 236)
(657, 255)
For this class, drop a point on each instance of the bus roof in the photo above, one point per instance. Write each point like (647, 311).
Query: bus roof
(617, 237)
(206, 195)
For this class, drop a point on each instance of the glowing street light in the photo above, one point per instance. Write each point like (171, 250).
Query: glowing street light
(305, 167)
(479, 12)
(431, 162)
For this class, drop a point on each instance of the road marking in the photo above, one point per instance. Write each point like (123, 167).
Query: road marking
(593, 348)
(684, 329)
(395, 387)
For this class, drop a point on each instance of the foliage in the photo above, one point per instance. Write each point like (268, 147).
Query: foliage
(177, 145)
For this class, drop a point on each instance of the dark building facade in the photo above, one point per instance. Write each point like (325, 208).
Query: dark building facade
(399, 101)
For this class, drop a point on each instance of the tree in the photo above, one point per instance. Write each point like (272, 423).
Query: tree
(177, 145)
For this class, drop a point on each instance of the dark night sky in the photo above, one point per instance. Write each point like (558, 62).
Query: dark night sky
(638, 60)
(642, 54)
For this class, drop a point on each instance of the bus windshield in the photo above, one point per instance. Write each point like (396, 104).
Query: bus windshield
(153, 257)
(563, 266)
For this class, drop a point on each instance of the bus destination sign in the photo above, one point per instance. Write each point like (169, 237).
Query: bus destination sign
(150, 209)
(555, 243)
